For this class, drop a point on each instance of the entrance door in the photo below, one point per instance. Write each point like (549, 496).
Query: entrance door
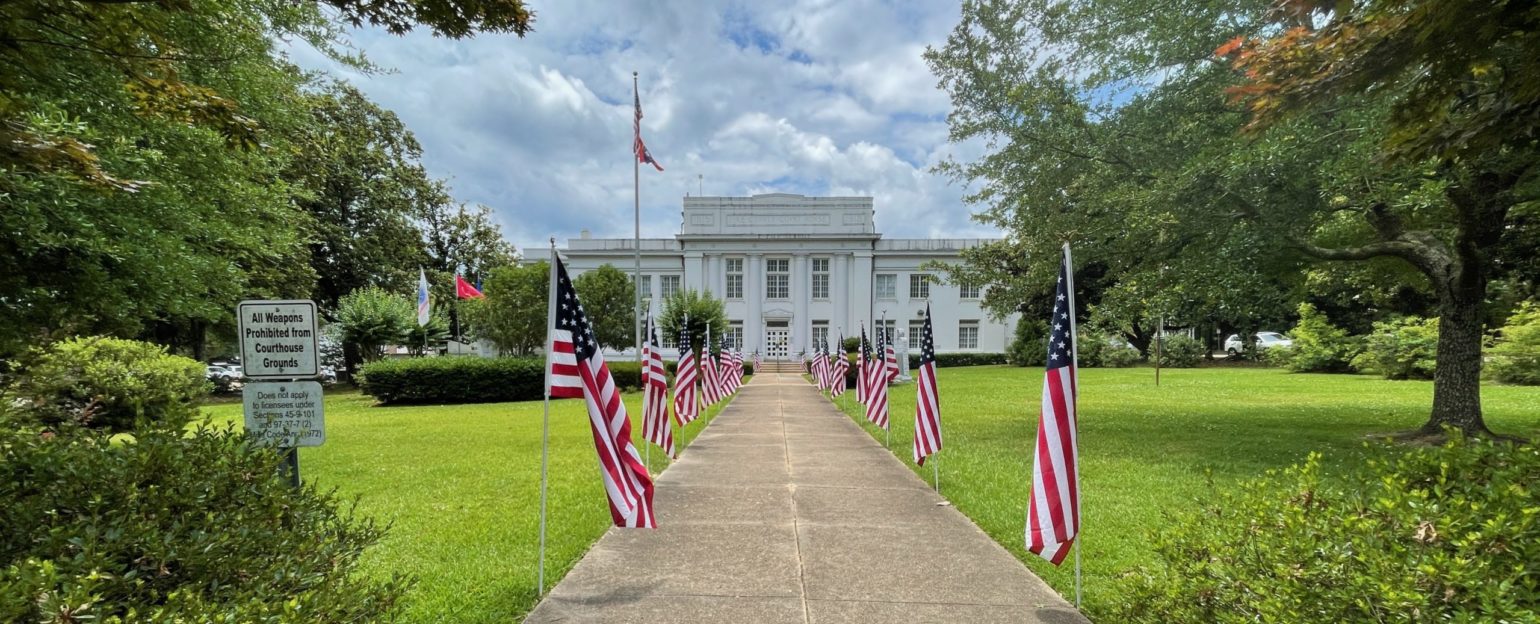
(777, 342)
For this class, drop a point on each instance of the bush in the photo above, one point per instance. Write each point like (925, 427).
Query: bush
(1319, 346)
(109, 383)
(949, 360)
(1179, 351)
(467, 379)
(1445, 534)
(1029, 346)
(173, 527)
(1120, 357)
(1515, 358)
(1401, 349)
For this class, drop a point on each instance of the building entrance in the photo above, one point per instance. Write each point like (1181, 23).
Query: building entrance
(777, 342)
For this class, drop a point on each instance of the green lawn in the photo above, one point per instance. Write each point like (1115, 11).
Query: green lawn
(1146, 450)
(460, 486)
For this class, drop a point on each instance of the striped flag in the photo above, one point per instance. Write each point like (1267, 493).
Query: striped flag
(890, 360)
(927, 404)
(577, 370)
(877, 389)
(820, 368)
(637, 146)
(737, 367)
(1053, 515)
(655, 425)
(862, 367)
(424, 306)
(841, 366)
(686, 374)
(725, 365)
(710, 379)
(756, 361)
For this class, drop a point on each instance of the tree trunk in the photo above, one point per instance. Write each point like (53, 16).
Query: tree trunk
(1457, 381)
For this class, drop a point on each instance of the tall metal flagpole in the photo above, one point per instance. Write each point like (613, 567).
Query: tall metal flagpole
(1075, 366)
(646, 368)
(700, 365)
(545, 421)
(636, 194)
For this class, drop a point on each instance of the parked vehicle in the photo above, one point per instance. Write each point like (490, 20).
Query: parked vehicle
(215, 373)
(328, 375)
(1265, 340)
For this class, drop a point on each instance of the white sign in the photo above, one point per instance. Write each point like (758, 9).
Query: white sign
(284, 413)
(278, 339)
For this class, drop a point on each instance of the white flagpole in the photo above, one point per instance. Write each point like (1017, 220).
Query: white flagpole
(706, 382)
(646, 372)
(887, 440)
(1069, 270)
(545, 422)
(636, 196)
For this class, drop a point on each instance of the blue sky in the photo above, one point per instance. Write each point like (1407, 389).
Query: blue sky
(826, 97)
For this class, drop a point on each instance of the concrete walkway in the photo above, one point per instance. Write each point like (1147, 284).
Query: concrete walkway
(783, 510)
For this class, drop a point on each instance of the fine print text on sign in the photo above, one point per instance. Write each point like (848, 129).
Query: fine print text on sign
(284, 413)
(278, 338)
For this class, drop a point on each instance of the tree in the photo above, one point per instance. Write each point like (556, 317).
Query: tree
(512, 316)
(464, 241)
(701, 310)
(608, 297)
(371, 318)
(419, 338)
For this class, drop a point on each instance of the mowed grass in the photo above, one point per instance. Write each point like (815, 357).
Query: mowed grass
(459, 485)
(1148, 450)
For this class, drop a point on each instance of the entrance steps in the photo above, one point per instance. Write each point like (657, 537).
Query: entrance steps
(781, 366)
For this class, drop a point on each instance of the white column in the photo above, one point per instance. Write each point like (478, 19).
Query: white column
(861, 289)
(694, 271)
(801, 325)
(754, 296)
(839, 289)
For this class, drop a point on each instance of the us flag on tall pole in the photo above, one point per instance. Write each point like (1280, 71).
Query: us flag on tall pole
(927, 405)
(820, 367)
(642, 155)
(686, 374)
(577, 370)
(877, 388)
(1053, 515)
(862, 368)
(841, 366)
(655, 425)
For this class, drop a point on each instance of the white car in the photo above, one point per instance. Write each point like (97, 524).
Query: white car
(1265, 340)
(218, 372)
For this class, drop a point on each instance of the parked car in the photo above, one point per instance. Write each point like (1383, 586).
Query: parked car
(213, 373)
(1265, 340)
(328, 375)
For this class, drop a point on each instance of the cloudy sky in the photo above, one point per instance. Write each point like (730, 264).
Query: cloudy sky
(820, 97)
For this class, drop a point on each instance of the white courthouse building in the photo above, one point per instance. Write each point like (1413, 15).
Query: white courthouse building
(792, 269)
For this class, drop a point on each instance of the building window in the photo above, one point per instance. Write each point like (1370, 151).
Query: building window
(968, 291)
(886, 329)
(735, 334)
(820, 278)
(666, 339)
(820, 334)
(669, 284)
(646, 286)
(967, 334)
(919, 286)
(778, 278)
(735, 278)
(887, 286)
(915, 329)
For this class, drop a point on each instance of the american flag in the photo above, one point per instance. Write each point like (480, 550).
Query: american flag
(725, 366)
(737, 367)
(927, 404)
(655, 425)
(820, 368)
(1053, 515)
(877, 389)
(577, 370)
(841, 366)
(863, 368)
(686, 374)
(756, 360)
(889, 357)
(710, 379)
(642, 155)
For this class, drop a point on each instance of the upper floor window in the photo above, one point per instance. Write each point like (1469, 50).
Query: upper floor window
(778, 278)
(919, 286)
(968, 291)
(820, 278)
(887, 286)
(669, 285)
(734, 278)
(646, 285)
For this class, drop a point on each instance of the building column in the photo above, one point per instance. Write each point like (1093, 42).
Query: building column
(754, 296)
(694, 271)
(839, 287)
(713, 263)
(861, 289)
(801, 325)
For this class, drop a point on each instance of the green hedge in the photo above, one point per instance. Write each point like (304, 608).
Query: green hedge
(1404, 348)
(109, 383)
(1515, 358)
(474, 379)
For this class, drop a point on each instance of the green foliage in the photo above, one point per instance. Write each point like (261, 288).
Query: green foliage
(512, 315)
(701, 309)
(434, 333)
(1319, 346)
(468, 379)
(1096, 349)
(852, 345)
(371, 318)
(171, 526)
(1401, 349)
(1029, 346)
(608, 296)
(1120, 357)
(951, 360)
(1445, 534)
(110, 383)
(1515, 358)
(1179, 351)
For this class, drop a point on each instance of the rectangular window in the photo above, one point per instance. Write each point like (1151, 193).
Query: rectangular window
(886, 329)
(820, 278)
(735, 334)
(967, 334)
(778, 278)
(968, 291)
(919, 286)
(666, 340)
(915, 329)
(669, 285)
(887, 286)
(646, 286)
(735, 278)
(820, 334)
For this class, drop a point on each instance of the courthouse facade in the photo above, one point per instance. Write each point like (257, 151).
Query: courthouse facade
(794, 269)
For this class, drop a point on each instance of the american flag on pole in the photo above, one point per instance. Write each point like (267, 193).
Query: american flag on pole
(725, 366)
(820, 367)
(841, 366)
(577, 370)
(737, 367)
(710, 379)
(927, 404)
(686, 374)
(877, 389)
(642, 155)
(655, 425)
(863, 368)
(1053, 515)
(756, 361)
(889, 358)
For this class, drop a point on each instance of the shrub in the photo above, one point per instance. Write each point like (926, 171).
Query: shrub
(1447, 534)
(467, 379)
(1120, 357)
(1319, 346)
(109, 383)
(1401, 349)
(1179, 351)
(372, 317)
(173, 527)
(1029, 346)
(949, 360)
(1515, 358)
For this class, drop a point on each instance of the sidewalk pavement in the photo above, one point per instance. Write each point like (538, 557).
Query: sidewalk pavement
(783, 510)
